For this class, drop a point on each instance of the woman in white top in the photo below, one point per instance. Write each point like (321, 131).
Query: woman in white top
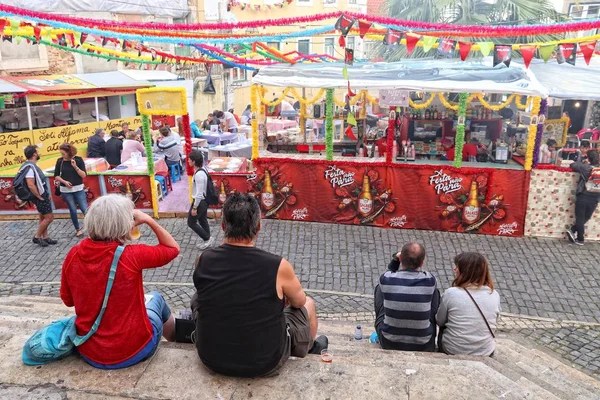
(467, 323)
(131, 144)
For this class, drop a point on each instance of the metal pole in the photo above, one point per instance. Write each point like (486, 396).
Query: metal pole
(29, 113)
(97, 113)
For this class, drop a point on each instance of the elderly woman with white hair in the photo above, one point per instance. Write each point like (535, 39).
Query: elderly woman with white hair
(131, 326)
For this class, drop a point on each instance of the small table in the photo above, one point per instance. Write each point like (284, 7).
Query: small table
(219, 138)
(243, 150)
(160, 165)
(280, 124)
(196, 142)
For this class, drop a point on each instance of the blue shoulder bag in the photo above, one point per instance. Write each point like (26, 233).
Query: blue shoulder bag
(59, 339)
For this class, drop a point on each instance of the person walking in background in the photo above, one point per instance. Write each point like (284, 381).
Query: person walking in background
(130, 145)
(69, 173)
(97, 145)
(250, 310)
(132, 326)
(198, 214)
(247, 115)
(114, 148)
(37, 185)
(587, 197)
(469, 310)
(406, 300)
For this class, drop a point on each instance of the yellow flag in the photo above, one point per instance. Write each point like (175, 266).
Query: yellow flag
(485, 48)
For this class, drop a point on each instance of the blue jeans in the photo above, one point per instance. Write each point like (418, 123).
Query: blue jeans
(158, 314)
(73, 200)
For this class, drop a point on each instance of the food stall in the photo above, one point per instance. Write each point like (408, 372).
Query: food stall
(394, 191)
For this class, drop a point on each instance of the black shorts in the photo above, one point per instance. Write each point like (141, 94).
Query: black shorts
(43, 206)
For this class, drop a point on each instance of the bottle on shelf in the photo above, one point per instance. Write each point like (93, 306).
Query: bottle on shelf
(361, 152)
(427, 114)
(435, 113)
(443, 112)
(419, 114)
(394, 151)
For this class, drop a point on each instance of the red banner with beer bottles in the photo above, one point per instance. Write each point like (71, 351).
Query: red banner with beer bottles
(488, 201)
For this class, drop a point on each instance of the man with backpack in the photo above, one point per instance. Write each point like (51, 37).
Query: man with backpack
(588, 195)
(203, 193)
(30, 185)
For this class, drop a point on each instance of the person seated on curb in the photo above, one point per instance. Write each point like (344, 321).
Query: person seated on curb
(132, 326)
(250, 310)
(469, 310)
(406, 301)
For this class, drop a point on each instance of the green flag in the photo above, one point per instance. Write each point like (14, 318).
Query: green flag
(546, 51)
(485, 48)
(345, 73)
(14, 25)
(428, 42)
(351, 120)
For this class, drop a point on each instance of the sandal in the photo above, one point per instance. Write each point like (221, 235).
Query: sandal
(79, 233)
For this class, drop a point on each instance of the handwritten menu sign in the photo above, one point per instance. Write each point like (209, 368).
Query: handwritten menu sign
(50, 139)
(12, 146)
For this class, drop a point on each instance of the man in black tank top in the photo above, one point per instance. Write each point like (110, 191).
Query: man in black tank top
(243, 327)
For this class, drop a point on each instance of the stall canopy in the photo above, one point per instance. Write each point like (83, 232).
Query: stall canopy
(429, 76)
(115, 79)
(8, 87)
(565, 81)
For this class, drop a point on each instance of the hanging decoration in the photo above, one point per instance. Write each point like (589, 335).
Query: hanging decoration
(464, 48)
(428, 42)
(546, 52)
(307, 102)
(411, 41)
(348, 58)
(344, 24)
(363, 27)
(502, 54)
(277, 101)
(392, 37)
(460, 129)
(587, 49)
(525, 106)
(498, 107)
(567, 52)
(540, 131)
(527, 51)
(535, 110)
(255, 114)
(424, 105)
(146, 132)
(329, 124)
(446, 48)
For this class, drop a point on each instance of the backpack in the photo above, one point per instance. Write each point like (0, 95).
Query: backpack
(211, 194)
(593, 183)
(20, 184)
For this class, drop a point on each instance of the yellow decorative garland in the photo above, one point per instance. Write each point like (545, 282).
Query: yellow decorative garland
(275, 102)
(255, 111)
(355, 100)
(307, 102)
(532, 133)
(422, 105)
(525, 106)
(451, 106)
(498, 107)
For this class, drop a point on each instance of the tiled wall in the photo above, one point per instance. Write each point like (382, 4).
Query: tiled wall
(551, 205)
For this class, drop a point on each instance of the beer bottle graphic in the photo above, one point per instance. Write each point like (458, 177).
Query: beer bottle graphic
(128, 193)
(472, 210)
(267, 197)
(222, 194)
(365, 198)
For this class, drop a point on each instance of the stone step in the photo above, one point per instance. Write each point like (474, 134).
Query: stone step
(359, 370)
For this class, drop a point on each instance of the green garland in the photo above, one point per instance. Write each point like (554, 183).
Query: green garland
(459, 141)
(148, 143)
(329, 104)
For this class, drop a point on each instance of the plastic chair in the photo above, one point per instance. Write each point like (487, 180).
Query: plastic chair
(175, 172)
(163, 183)
(167, 178)
(158, 189)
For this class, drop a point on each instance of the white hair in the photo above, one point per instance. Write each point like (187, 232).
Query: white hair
(110, 218)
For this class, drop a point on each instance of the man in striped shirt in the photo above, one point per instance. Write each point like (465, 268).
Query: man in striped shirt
(406, 301)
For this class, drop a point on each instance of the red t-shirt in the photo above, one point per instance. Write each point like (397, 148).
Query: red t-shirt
(469, 149)
(125, 328)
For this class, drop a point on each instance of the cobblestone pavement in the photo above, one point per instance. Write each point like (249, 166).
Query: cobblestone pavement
(547, 279)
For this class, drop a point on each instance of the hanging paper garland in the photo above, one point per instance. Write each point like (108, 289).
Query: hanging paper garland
(257, 7)
(329, 124)
(304, 101)
(531, 136)
(150, 161)
(459, 141)
(540, 131)
(277, 101)
(500, 106)
(422, 105)
(255, 113)
(525, 106)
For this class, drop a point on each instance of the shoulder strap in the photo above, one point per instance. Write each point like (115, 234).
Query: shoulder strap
(481, 312)
(79, 340)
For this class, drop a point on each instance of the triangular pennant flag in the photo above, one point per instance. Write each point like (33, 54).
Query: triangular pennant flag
(485, 48)
(7, 38)
(344, 24)
(527, 51)
(546, 51)
(349, 56)
(587, 48)
(71, 39)
(37, 33)
(567, 52)
(502, 54)
(351, 120)
(342, 41)
(14, 25)
(464, 48)
(18, 38)
(392, 37)
(124, 46)
(350, 132)
(363, 27)
(345, 73)
(3, 23)
(350, 92)
(446, 48)
(411, 41)
(428, 42)
(153, 53)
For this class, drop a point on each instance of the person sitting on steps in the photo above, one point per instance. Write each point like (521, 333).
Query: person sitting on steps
(250, 311)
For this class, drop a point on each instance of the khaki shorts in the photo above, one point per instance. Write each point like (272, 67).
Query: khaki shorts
(299, 338)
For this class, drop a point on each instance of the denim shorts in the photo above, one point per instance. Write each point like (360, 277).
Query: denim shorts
(158, 313)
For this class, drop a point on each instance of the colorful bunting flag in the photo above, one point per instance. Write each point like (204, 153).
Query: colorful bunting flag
(502, 54)
(428, 42)
(349, 57)
(364, 28)
(344, 24)
(392, 37)
(485, 48)
(342, 41)
(587, 48)
(411, 41)
(546, 52)
(527, 51)
(464, 48)
(345, 73)
(567, 52)
(351, 120)
(350, 132)
(446, 48)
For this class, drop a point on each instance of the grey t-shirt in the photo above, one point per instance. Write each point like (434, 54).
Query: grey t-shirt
(466, 332)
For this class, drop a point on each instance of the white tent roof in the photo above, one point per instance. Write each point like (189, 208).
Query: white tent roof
(9, 87)
(149, 75)
(430, 76)
(566, 81)
(112, 79)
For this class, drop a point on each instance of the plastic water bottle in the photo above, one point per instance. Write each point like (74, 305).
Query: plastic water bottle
(358, 334)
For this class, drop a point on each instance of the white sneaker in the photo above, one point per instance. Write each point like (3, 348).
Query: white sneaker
(206, 244)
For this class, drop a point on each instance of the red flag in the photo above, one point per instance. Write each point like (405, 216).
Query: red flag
(392, 37)
(464, 48)
(350, 133)
(527, 51)
(71, 39)
(364, 28)
(411, 42)
(344, 24)
(587, 48)
(342, 41)
(3, 23)
(350, 92)
(37, 32)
